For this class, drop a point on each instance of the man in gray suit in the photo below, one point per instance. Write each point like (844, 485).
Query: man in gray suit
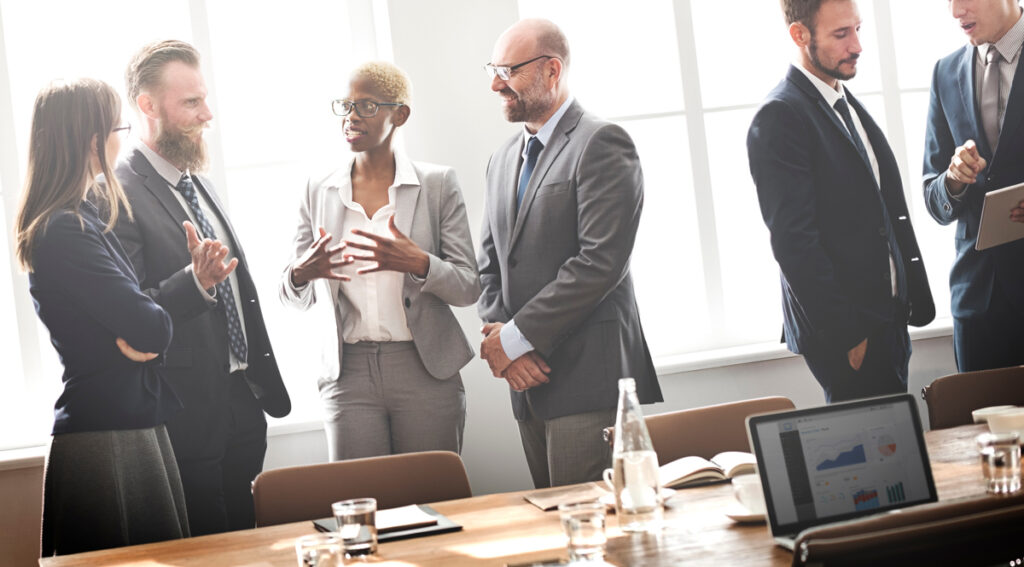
(562, 209)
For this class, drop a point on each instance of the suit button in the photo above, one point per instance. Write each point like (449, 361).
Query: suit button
(946, 207)
(407, 303)
(512, 263)
(887, 277)
(881, 231)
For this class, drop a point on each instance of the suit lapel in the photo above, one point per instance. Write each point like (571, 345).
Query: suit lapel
(559, 139)
(969, 98)
(1014, 107)
(507, 197)
(157, 186)
(406, 196)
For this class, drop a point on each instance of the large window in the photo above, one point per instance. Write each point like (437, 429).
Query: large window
(270, 130)
(685, 78)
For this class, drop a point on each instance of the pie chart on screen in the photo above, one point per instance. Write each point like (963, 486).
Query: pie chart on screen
(886, 445)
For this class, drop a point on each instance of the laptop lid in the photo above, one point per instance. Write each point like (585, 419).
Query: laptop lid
(839, 462)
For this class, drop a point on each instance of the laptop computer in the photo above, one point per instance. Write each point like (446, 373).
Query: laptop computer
(839, 462)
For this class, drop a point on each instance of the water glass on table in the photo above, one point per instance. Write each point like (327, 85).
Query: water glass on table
(584, 526)
(320, 550)
(1000, 461)
(357, 525)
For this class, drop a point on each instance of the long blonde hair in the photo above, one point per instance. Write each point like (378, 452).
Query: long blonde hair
(67, 119)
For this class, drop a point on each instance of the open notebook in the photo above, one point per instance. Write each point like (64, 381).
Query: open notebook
(838, 462)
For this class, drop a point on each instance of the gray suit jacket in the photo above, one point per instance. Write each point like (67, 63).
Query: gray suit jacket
(433, 215)
(561, 266)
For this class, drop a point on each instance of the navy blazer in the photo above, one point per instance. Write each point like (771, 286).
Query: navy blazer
(952, 120)
(86, 294)
(821, 203)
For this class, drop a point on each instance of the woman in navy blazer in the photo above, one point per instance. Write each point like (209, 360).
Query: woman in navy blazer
(111, 477)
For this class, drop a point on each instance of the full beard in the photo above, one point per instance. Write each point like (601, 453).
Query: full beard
(182, 149)
(835, 73)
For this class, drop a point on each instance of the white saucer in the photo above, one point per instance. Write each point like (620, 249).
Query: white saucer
(608, 499)
(739, 513)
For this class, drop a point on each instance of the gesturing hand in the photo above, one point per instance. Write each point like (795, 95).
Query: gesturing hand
(319, 261)
(208, 258)
(964, 167)
(398, 254)
(132, 354)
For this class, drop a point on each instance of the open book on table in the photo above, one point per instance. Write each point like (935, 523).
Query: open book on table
(698, 470)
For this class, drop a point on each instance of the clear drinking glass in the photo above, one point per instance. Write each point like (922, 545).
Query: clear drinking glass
(1000, 461)
(584, 526)
(357, 525)
(320, 550)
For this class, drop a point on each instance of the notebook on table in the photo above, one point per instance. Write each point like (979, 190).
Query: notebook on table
(840, 462)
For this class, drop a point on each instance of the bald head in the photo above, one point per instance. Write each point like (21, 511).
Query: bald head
(538, 36)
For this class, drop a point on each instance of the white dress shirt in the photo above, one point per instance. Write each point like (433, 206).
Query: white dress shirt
(172, 176)
(376, 297)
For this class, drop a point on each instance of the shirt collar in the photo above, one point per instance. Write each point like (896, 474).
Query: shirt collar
(164, 168)
(405, 175)
(1008, 45)
(831, 95)
(544, 134)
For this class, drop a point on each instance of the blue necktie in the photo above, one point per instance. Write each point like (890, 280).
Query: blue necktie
(533, 148)
(227, 295)
(894, 247)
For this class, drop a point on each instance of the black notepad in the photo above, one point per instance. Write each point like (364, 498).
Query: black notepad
(443, 526)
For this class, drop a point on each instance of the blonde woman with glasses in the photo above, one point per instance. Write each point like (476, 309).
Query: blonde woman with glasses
(111, 478)
(384, 241)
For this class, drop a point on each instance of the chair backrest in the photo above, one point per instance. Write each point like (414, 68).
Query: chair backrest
(300, 493)
(707, 430)
(951, 399)
(978, 531)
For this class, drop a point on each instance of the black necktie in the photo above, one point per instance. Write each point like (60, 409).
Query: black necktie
(894, 246)
(844, 111)
(227, 295)
(533, 148)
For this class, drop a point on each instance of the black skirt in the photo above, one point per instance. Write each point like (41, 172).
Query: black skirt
(108, 489)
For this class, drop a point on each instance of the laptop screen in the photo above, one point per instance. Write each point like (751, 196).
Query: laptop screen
(842, 461)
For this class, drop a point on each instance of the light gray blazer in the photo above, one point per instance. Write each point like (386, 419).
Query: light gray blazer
(561, 265)
(433, 215)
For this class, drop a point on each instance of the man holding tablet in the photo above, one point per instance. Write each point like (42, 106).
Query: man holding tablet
(973, 146)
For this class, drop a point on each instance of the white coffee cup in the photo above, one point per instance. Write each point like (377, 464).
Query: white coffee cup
(747, 488)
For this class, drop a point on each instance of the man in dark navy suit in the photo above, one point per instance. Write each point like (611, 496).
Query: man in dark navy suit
(975, 144)
(831, 195)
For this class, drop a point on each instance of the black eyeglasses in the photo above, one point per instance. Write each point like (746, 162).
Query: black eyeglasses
(504, 72)
(123, 131)
(364, 108)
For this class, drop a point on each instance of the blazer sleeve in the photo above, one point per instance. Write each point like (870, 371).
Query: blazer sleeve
(781, 166)
(178, 293)
(79, 263)
(490, 307)
(939, 146)
(452, 275)
(301, 297)
(609, 191)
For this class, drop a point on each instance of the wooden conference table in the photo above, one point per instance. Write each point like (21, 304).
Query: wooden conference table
(504, 528)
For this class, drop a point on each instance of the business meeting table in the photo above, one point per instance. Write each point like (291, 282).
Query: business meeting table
(500, 529)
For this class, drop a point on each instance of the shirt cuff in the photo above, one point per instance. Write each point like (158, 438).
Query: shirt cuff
(513, 341)
(207, 296)
(949, 193)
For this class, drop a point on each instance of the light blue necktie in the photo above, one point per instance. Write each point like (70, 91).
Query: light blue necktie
(533, 148)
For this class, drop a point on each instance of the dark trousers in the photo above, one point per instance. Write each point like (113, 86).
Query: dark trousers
(884, 370)
(992, 340)
(220, 445)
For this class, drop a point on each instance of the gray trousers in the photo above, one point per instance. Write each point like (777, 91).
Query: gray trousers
(568, 449)
(385, 402)
(108, 489)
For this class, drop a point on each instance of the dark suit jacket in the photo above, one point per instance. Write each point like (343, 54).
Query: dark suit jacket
(86, 294)
(561, 265)
(197, 360)
(822, 205)
(952, 120)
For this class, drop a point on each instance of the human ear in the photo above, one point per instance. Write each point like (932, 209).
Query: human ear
(147, 105)
(800, 34)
